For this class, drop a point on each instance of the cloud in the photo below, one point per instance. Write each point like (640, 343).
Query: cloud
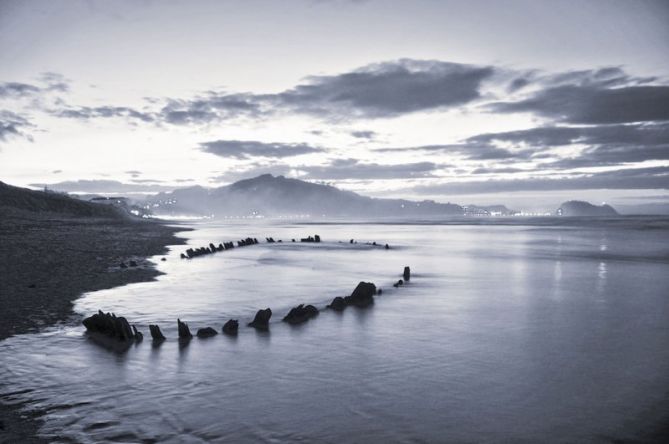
(55, 81)
(87, 113)
(50, 82)
(469, 150)
(594, 104)
(13, 125)
(213, 106)
(604, 145)
(634, 178)
(246, 149)
(103, 187)
(387, 89)
(17, 90)
(342, 169)
(338, 169)
(363, 134)
(378, 90)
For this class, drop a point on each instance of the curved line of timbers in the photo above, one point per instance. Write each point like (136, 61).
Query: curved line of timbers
(108, 329)
(212, 248)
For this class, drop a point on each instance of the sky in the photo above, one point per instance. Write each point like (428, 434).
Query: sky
(522, 102)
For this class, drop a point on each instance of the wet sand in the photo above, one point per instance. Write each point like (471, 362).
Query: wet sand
(48, 262)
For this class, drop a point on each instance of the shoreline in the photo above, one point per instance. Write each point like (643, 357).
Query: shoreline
(49, 262)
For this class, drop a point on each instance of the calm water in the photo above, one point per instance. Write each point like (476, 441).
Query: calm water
(505, 333)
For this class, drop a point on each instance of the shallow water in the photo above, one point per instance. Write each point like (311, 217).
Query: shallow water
(505, 333)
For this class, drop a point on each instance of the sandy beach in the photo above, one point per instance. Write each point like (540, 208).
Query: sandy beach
(47, 262)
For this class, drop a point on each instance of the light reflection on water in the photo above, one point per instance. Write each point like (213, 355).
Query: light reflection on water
(501, 336)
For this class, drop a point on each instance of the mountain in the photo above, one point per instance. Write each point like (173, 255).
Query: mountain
(268, 195)
(16, 200)
(582, 208)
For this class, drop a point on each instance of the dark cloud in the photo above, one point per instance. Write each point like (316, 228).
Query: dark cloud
(586, 104)
(87, 113)
(50, 82)
(13, 125)
(634, 178)
(379, 90)
(469, 151)
(483, 170)
(605, 145)
(342, 169)
(387, 89)
(245, 149)
(213, 106)
(103, 187)
(363, 134)
(17, 90)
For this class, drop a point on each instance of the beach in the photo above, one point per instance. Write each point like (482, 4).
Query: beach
(48, 261)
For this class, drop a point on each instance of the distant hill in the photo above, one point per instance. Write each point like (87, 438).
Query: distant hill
(582, 208)
(15, 200)
(268, 195)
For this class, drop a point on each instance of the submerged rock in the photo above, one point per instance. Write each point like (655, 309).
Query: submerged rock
(231, 327)
(139, 337)
(337, 304)
(261, 321)
(156, 334)
(362, 296)
(206, 332)
(300, 314)
(184, 331)
(109, 326)
(407, 273)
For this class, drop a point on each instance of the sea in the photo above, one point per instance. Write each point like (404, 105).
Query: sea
(509, 330)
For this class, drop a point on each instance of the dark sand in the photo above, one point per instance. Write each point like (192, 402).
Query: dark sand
(48, 262)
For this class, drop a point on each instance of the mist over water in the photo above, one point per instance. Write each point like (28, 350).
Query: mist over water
(505, 333)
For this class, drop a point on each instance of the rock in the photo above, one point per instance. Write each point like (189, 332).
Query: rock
(110, 326)
(379, 291)
(139, 337)
(231, 327)
(337, 304)
(183, 256)
(351, 241)
(300, 314)
(362, 296)
(317, 238)
(398, 283)
(32, 286)
(133, 263)
(123, 265)
(163, 259)
(261, 321)
(206, 332)
(407, 273)
(156, 334)
(184, 331)
(387, 247)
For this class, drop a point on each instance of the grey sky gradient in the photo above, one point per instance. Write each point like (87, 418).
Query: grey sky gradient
(407, 99)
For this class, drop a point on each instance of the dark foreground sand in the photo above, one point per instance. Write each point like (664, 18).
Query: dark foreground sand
(48, 262)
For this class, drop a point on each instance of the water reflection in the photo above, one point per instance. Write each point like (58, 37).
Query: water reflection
(471, 346)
